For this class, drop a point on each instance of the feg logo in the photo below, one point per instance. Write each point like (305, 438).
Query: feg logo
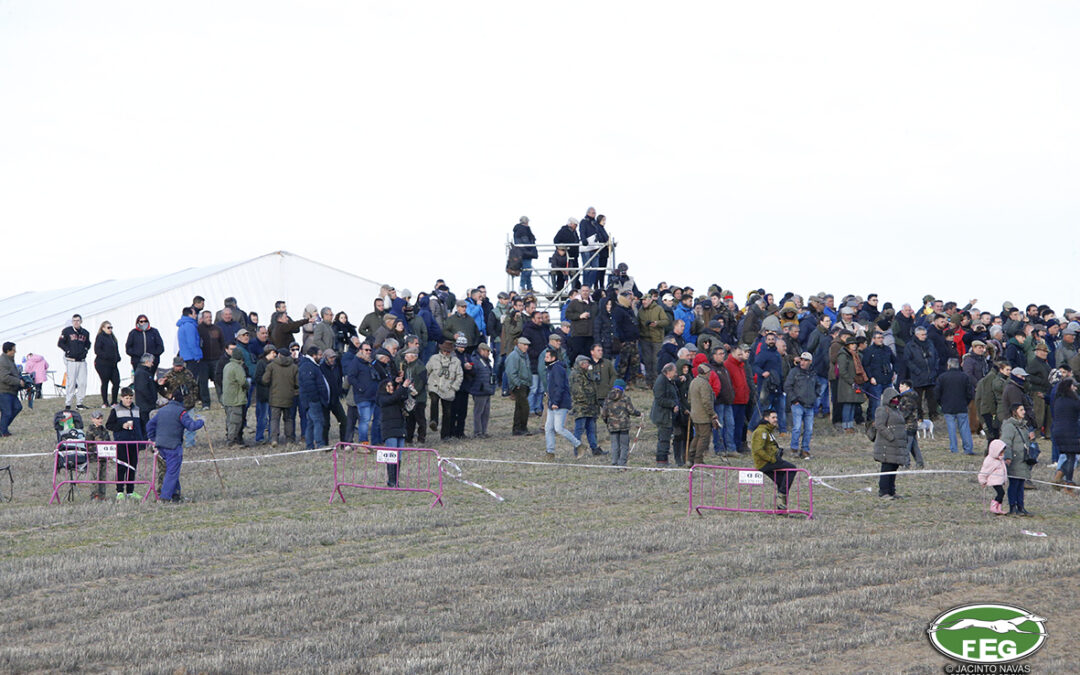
(985, 633)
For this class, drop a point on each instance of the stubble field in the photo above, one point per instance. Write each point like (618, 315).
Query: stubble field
(579, 570)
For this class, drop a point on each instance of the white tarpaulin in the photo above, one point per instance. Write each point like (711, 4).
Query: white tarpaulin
(33, 321)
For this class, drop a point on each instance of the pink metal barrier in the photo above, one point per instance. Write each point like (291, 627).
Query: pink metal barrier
(365, 466)
(75, 462)
(732, 488)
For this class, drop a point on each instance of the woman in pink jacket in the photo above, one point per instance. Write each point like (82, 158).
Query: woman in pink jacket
(994, 474)
(36, 365)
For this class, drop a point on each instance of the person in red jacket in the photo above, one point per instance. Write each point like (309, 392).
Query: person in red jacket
(736, 367)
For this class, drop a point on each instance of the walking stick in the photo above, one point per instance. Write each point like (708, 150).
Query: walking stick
(641, 425)
(214, 457)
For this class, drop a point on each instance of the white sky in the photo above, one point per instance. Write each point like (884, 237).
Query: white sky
(850, 147)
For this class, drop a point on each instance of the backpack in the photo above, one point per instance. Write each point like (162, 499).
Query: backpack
(513, 262)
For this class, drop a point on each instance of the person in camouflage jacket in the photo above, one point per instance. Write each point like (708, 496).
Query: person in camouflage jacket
(586, 405)
(181, 379)
(616, 413)
(909, 408)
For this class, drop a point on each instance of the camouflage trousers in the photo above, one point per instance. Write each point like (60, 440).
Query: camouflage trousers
(629, 361)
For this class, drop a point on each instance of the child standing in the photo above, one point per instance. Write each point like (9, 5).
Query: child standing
(97, 432)
(125, 421)
(994, 473)
(616, 413)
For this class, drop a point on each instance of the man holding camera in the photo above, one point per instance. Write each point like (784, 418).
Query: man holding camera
(11, 383)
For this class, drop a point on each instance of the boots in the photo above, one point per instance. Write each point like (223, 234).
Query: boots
(781, 501)
(1058, 480)
(1012, 510)
(995, 508)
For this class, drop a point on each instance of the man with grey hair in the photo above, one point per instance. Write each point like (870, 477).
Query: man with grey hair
(323, 334)
(664, 408)
(954, 390)
(567, 237)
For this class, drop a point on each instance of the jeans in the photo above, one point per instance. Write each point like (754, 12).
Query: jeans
(822, 404)
(588, 426)
(316, 416)
(913, 448)
(555, 423)
(536, 397)
(262, 420)
(959, 420)
(1066, 463)
(392, 468)
(802, 427)
(620, 447)
(768, 400)
(718, 432)
(9, 409)
(663, 444)
(526, 274)
(847, 415)
(364, 411)
(726, 413)
(873, 395)
(170, 484)
(591, 259)
(203, 378)
(1016, 492)
(733, 433)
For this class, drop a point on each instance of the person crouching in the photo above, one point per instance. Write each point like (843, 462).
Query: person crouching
(768, 457)
(166, 430)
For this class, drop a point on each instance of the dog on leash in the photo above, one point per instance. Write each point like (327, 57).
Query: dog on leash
(926, 428)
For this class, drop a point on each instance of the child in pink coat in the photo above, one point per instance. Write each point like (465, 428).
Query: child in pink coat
(36, 365)
(994, 474)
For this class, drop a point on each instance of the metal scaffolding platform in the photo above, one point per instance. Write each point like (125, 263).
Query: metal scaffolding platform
(552, 285)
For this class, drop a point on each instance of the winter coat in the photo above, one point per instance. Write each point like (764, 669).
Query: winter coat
(141, 342)
(445, 375)
(187, 337)
(701, 400)
(11, 381)
(993, 470)
(975, 367)
(166, 428)
(334, 378)
(281, 378)
(567, 235)
(281, 334)
(752, 323)
(687, 315)
(1012, 394)
(362, 380)
(801, 387)
(146, 388)
(1015, 354)
(988, 393)
(234, 382)
(516, 366)
(605, 377)
(482, 382)
(212, 342)
(512, 326)
(818, 345)
(262, 391)
(604, 328)
(583, 392)
(654, 312)
(462, 323)
(1064, 353)
(392, 407)
(106, 350)
(945, 349)
(845, 381)
(727, 390)
(1038, 379)
(343, 334)
(558, 386)
(537, 335)
(764, 449)
(954, 391)
(246, 357)
(921, 358)
(417, 372)
(737, 370)
(1014, 433)
(669, 353)
(322, 336)
(768, 361)
(626, 325)
(524, 239)
(890, 446)
(665, 398)
(580, 327)
(1065, 424)
(312, 383)
(36, 366)
(903, 331)
(878, 362)
(909, 408)
(617, 411)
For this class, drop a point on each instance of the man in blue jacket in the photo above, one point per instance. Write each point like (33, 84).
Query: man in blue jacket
(559, 404)
(187, 336)
(364, 385)
(878, 361)
(166, 430)
(768, 370)
(314, 397)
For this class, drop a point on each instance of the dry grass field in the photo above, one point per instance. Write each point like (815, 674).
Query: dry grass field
(579, 570)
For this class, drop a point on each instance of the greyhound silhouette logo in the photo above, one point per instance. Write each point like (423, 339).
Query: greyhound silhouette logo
(986, 633)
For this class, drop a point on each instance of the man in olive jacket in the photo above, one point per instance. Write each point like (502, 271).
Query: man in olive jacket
(702, 414)
(281, 377)
(234, 397)
(652, 326)
(768, 457)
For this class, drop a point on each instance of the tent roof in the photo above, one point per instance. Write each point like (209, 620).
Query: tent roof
(34, 311)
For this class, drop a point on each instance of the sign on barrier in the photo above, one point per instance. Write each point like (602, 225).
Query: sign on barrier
(82, 462)
(372, 468)
(731, 488)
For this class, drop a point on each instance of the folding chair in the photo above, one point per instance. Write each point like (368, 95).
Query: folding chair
(61, 388)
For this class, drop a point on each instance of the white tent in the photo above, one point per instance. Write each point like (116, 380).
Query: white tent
(33, 320)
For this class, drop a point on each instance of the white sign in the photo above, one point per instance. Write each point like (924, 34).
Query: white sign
(386, 456)
(106, 451)
(751, 478)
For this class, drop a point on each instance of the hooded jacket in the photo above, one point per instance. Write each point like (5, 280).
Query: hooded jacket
(737, 370)
(993, 470)
(187, 337)
(617, 411)
(141, 342)
(1014, 433)
(890, 446)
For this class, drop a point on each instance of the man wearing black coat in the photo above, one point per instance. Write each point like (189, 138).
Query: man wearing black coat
(526, 243)
(567, 236)
(955, 391)
(921, 359)
(331, 369)
(213, 346)
(146, 390)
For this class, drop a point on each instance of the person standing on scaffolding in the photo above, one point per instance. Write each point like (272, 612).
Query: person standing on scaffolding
(589, 247)
(567, 237)
(524, 240)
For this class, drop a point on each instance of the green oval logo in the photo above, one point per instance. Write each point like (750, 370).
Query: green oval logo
(987, 633)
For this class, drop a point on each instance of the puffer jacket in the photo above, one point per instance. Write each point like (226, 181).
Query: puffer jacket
(994, 471)
(1014, 433)
(617, 411)
(891, 443)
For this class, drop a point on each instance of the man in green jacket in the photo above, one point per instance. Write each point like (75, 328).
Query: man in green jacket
(519, 377)
(652, 326)
(768, 457)
(234, 397)
(702, 414)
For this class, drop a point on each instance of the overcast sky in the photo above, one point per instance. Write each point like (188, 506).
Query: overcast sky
(902, 148)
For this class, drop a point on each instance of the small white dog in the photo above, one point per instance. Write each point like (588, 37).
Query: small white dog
(926, 428)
